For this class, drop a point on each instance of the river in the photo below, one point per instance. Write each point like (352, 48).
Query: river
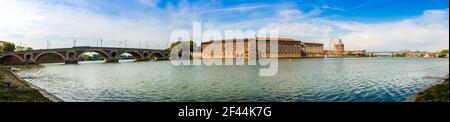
(300, 80)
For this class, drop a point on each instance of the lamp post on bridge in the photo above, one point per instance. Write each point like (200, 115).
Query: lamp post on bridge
(48, 44)
(74, 43)
(125, 44)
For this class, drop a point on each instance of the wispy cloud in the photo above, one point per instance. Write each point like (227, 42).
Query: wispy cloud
(242, 8)
(332, 8)
(149, 3)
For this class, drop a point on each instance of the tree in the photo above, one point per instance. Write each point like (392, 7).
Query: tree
(20, 48)
(85, 57)
(444, 51)
(29, 49)
(9, 47)
(179, 45)
(97, 57)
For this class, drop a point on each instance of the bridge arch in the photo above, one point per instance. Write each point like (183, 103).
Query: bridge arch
(11, 59)
(59, 55)
(156, 56)
(101, 52)
(137, 55)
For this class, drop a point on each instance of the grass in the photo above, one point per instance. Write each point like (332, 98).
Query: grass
(437, 93)
(13, 89)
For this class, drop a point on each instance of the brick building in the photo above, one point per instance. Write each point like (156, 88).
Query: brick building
(248, 48)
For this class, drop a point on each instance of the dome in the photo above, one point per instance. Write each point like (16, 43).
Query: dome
(340, 42)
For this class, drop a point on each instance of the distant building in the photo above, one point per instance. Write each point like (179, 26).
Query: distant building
(340, 48)
(248, 48)
(312, 50)
(419, 54)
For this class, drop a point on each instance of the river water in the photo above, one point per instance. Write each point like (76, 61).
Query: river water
(300, 80)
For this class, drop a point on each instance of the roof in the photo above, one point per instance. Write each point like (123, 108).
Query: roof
(257, 39)
(340, 42)
(279, 39)
(312, 43)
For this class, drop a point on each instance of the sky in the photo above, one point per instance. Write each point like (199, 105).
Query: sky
(373, 25)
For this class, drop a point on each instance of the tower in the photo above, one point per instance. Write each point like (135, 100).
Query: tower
(339, 47)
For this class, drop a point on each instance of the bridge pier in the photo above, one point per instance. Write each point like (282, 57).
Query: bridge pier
(29, 62)
(155, 58)
(71, 62)
(112, 61)
(145, 59)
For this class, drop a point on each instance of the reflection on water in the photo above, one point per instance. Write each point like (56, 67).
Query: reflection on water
(302, 80)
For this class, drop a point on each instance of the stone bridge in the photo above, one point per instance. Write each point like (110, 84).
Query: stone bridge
(73, 55)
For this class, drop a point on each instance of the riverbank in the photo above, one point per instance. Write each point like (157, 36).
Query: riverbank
(435, 93)
(14, 89)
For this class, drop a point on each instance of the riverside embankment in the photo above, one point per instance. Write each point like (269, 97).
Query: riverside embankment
(438, 92)
(14, 89)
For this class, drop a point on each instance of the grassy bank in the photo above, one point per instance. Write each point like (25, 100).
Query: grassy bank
(437, 93)
(12, 89)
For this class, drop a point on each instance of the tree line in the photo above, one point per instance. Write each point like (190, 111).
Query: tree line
(11, 47)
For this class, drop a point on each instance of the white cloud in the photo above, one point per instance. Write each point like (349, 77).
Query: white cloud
(290, 13)
(332, 8)
(33, 22)
(297, 24)
(428, 32)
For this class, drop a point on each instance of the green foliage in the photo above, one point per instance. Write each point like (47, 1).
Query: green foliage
(20, 48)
(94, 57)
(177, 46)
(9, 47)
(23, 48)
(444, 51)
(85, 57)
(97, 57)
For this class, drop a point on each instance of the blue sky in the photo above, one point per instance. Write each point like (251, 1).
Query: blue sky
(375, 25)
(355, 10)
